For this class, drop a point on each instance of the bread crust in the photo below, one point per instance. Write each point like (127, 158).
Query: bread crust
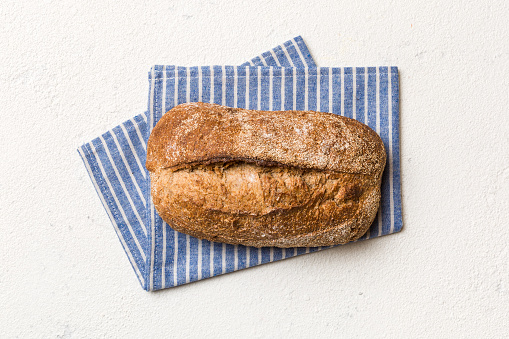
(262, 178)
(200, 133)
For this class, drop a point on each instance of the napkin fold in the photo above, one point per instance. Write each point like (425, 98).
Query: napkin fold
(282, 78)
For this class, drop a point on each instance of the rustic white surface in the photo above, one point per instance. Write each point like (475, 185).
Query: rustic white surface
(70, 70)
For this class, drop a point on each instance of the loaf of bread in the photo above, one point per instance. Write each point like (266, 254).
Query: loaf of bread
(265, 178)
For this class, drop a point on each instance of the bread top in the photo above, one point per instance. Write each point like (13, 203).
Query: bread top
(198, 133)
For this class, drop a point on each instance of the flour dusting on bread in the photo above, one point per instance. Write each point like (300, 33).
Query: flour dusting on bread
(262, 178)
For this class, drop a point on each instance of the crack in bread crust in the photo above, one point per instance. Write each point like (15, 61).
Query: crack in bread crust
(194, 133)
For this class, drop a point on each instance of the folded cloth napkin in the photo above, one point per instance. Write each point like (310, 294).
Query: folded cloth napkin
(115, 162)
(164, 258)
(368, 94)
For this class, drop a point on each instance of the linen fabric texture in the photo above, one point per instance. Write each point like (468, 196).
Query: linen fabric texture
(283, 78)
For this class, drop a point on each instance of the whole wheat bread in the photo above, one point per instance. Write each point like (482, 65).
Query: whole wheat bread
(264, 178)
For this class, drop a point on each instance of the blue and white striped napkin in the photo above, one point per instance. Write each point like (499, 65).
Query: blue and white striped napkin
(162, 257)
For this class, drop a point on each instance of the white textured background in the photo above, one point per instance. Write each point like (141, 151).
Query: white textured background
(70, 70)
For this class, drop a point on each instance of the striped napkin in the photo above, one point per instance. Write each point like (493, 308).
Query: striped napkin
(285, 77)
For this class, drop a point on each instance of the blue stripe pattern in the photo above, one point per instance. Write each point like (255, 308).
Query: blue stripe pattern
(291, 53)
(128, 141)
(367, 94)
(162, 257)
